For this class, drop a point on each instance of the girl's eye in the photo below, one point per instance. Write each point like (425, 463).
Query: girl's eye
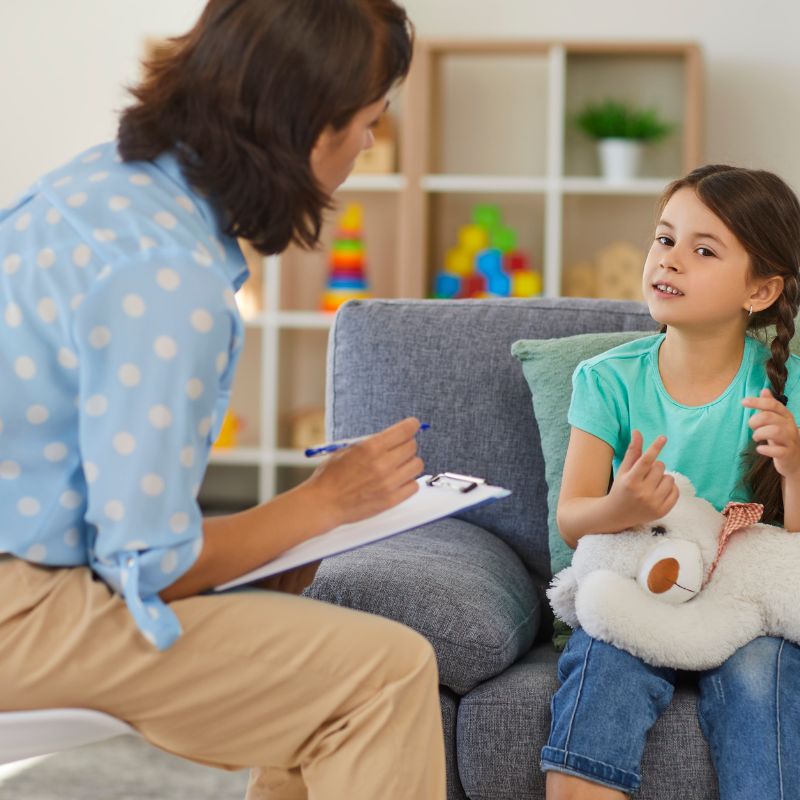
(705, 252)
(664, 240)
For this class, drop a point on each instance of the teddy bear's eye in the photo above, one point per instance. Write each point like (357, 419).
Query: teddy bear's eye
(658, 530)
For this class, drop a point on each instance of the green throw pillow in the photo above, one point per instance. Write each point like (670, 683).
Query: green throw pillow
(548, 365)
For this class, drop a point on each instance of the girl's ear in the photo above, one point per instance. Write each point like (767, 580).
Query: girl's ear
(766, 293)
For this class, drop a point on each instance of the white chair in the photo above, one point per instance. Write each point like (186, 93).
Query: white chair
(24, 734)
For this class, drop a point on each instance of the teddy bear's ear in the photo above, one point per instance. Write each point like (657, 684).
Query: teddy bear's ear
(684, 484)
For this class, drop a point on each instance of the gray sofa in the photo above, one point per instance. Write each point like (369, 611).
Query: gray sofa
(474, 585)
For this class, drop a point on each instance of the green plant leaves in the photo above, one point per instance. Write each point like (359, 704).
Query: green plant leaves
(613, 119)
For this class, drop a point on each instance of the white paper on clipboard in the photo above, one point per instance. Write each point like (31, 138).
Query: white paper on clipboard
(438, 496)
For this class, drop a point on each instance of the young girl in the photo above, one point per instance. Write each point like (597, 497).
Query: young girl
(706, 399)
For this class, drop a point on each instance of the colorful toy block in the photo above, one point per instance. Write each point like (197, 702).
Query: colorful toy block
(473, 238)
(489, 262)
(459, 261)
(486, 215)
(347, 261)
(525, 284)
(486, 261)
(504, 239)
(473, 285)
(515, 262)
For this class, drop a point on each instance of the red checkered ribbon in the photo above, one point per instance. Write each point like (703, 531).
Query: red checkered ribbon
(738, 516)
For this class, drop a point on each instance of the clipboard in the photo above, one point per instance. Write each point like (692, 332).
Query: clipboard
(438, 496)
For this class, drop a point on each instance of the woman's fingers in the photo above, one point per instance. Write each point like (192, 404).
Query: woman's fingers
(395, 435)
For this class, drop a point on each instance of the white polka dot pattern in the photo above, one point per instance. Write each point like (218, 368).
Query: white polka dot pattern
(37, 414)
(115, 326)
(9, 470)
(11, 263)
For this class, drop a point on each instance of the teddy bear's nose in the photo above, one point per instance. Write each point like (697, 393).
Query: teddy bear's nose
(663, 575)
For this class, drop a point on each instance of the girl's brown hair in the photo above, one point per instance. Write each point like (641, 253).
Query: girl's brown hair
(244, 95)
(763, 213)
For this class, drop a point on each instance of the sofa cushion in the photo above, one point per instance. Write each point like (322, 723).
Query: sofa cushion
(458, 585)
(504, 723)
(548, 365)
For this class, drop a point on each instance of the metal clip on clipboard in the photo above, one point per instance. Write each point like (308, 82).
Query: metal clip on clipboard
(452, 480)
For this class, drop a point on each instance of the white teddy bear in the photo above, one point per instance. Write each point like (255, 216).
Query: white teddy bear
(687, 590)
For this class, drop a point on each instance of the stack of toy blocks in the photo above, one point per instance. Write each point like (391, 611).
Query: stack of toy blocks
(346, 277)
(486, 261)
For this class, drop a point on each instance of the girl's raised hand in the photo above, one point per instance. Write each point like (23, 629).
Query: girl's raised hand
(641, 490)
(775, 431)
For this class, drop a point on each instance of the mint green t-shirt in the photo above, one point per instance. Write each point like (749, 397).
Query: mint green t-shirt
(621, 390)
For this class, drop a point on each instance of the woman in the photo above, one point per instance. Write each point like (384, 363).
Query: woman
(119, 344)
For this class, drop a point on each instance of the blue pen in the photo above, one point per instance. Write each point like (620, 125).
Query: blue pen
(332, 447)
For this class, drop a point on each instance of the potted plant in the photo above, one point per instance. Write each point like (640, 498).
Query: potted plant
(620, 131)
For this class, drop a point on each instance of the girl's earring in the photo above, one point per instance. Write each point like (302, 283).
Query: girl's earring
(751, 312)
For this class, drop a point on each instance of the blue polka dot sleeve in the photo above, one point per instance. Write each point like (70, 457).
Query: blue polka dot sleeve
(156, 341)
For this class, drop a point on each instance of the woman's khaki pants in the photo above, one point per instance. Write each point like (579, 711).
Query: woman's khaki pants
(323, 702)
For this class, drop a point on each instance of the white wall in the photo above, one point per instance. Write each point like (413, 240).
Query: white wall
(63, 65)
(63, 61)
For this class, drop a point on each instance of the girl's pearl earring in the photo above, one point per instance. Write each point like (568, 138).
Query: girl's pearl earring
(751, 312)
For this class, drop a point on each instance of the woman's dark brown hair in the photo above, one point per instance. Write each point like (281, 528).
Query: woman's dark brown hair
(245, 94)
(763, 213)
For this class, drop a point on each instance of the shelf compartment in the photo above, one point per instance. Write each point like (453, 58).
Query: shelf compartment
(288, 477)
(450, 211)
(304, 273)
(477, 97)
(246, 395)
(594, 223)
(228, 488)
(301, 379)
(658, 80)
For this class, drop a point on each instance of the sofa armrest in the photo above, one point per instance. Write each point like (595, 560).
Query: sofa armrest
(458, 585)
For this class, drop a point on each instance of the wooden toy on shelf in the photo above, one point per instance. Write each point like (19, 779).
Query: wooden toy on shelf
(381, 158)
(229, 431)
(619, 271)
(486, 261)
(579, 280)
(307, 427)
(346, 277)
(615, 274)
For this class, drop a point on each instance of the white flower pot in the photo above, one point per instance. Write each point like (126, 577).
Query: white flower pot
(619, 159)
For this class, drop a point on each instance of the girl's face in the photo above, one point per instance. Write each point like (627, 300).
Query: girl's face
(697, 273)
(335, 152)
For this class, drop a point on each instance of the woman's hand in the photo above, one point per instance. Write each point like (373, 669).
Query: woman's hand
(352, 484)
(369, 477)
(641, 490)
(775, 429)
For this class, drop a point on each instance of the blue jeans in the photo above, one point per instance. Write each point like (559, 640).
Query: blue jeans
(749, 710)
